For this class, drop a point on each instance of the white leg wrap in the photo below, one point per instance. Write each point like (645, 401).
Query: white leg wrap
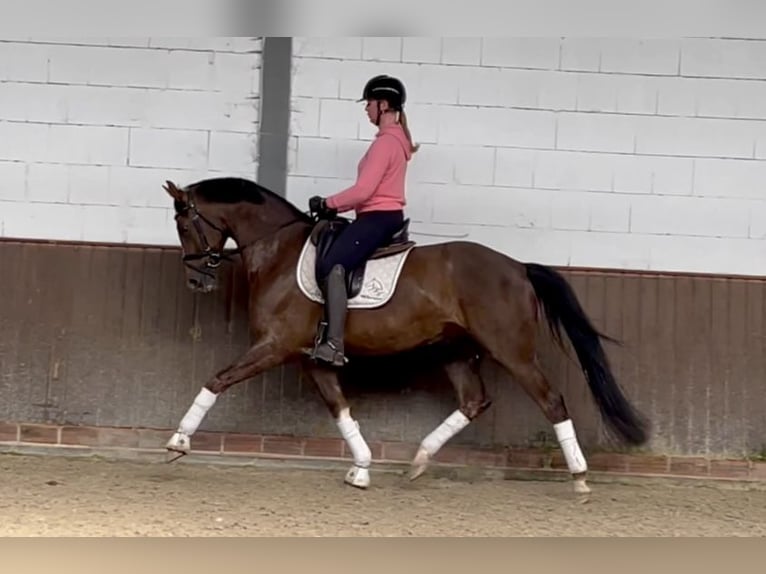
(349, 430)
(568, 440)
(452, 425)
(193, 417)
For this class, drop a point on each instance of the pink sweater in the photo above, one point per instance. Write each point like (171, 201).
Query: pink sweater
(380, 177)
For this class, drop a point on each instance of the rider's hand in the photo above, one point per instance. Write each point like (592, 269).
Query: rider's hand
(317, 204)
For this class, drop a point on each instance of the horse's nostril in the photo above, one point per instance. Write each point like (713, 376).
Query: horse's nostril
(193, 283)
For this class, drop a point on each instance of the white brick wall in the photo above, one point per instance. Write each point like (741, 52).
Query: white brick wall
(91, 128)
(621, 153)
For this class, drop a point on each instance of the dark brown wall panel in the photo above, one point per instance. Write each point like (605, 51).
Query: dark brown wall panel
(104, 335)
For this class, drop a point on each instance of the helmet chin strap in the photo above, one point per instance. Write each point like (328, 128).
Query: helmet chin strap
(379, 116)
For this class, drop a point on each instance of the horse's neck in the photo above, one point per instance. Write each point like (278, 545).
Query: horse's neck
(279, 245)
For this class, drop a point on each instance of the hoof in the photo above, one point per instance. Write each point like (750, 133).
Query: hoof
(419, 464)
(358, 477)
(580, 486)
(178, 446)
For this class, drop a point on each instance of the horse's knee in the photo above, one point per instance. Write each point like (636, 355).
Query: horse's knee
(472, 409)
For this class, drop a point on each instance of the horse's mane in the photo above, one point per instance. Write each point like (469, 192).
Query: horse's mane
(235, 190)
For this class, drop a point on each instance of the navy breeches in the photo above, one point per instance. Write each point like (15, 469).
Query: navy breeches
(359, 240)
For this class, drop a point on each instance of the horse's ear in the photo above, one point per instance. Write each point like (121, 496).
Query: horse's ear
(173, 191)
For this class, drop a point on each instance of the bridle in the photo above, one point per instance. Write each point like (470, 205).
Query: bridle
(214, 257)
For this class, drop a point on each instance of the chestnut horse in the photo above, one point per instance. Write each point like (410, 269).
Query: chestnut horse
(479, 301)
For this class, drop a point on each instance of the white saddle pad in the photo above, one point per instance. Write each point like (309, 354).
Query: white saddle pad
(380, 278)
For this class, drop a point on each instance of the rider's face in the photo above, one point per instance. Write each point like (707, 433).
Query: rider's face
(374, 108)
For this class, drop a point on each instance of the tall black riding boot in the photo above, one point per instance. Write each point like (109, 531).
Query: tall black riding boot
(336, 304)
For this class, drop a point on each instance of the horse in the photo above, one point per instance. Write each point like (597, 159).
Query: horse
(482, 303)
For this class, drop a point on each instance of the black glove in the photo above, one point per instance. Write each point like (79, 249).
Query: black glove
(317, 205)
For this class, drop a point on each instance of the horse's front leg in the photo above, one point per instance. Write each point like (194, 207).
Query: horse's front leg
(326, 380)
(264, 355)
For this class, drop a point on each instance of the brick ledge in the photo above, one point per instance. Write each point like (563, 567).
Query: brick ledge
(334, 449)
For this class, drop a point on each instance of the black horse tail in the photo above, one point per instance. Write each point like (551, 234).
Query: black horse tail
(562, 308)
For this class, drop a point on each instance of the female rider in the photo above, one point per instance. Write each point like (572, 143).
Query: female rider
(378, 199)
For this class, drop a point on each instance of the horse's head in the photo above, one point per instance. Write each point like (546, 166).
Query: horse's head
(202, 237)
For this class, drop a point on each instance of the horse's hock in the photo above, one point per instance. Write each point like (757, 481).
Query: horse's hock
(112, 356)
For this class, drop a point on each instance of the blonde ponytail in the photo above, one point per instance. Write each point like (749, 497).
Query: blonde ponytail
(405, 127)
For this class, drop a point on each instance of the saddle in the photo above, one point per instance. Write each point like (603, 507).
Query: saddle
(326, 231)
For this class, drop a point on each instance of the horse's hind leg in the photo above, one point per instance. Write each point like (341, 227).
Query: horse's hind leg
(327, 382)
(472, 399)
(527, 372)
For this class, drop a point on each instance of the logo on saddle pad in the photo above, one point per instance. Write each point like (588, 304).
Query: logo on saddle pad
(370, 286)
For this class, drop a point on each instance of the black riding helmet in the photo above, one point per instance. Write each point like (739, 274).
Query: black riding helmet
(386, 88)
